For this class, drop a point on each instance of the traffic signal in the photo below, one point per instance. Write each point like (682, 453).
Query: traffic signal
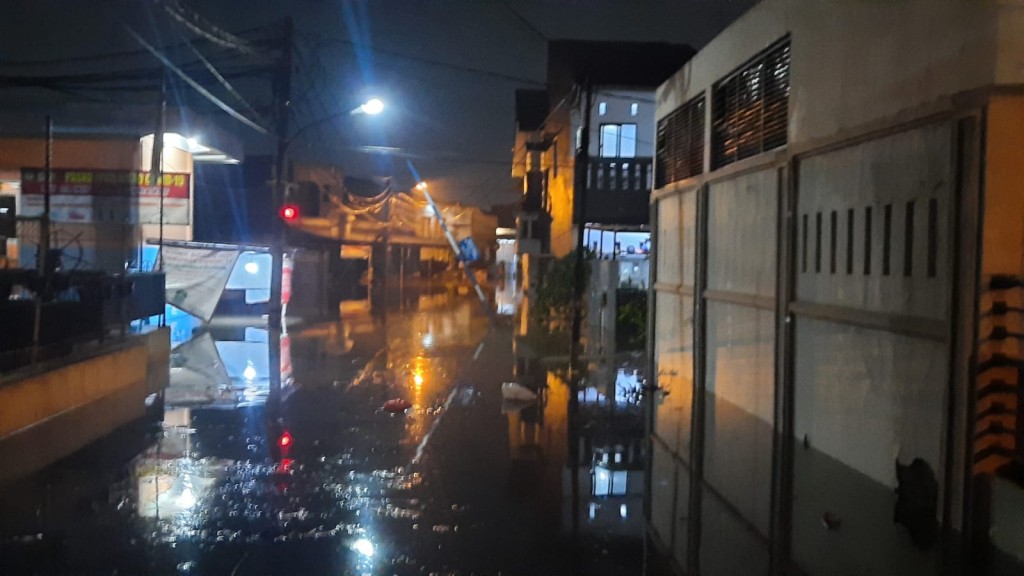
(285, 441)
(284, 445)
(289, 212)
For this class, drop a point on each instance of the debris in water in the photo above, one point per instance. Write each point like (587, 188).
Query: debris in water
(397, 405)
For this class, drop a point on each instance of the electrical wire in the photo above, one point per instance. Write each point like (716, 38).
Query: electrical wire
(227, 85)
(447, 65)
(195, 85)
(106, 55)
(529, 25)
(193, 21)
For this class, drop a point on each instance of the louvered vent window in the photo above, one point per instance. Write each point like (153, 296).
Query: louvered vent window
(680, 148)
(750, 108)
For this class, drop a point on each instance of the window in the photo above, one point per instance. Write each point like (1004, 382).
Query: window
(579, 138)
(680, 146)
(634, 109)
(602, 108)
(750, 108)
(618, 140)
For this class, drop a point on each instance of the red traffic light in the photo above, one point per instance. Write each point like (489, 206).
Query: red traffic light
(289, 212)
(285, 440)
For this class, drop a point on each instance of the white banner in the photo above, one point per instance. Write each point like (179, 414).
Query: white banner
(196, 277)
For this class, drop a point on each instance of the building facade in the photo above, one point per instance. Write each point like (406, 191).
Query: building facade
(104, 201)
(839, 241)
(608, 86)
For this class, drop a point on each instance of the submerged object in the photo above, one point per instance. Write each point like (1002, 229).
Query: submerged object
(516, 391)
(509, 405)
(397, 405)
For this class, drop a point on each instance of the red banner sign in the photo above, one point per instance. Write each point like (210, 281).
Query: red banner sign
(87, 195)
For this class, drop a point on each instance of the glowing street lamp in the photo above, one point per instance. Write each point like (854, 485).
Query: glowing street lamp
(290, 213)
(373, 106)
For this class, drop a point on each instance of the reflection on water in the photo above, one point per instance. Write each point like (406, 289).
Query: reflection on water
(289, 479)
(275, 455)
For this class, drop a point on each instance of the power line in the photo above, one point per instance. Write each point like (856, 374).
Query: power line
(195, 85)
(447, 65)
(193, 21)
(128, 75)
(109, 55)
(227, 85)
(529, 25)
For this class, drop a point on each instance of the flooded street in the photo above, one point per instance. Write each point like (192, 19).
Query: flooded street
(382, 447)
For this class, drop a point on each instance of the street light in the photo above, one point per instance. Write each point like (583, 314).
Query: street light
(290, 213)
(373, 106)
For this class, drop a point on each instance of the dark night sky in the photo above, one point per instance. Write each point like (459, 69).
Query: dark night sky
(455, 119)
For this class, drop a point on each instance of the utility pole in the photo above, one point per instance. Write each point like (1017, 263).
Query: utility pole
(156, 164)
(44, 222)
(43, 255)
(575, 370)
(579, 209)
(282, 97)
(458, 252)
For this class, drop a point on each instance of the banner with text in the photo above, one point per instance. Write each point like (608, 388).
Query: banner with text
(196, 277)
(86, 195)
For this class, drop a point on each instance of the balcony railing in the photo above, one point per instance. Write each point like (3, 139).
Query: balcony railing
(620, 174)
(618, 190)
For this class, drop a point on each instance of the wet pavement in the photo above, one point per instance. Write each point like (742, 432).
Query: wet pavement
(309, 471)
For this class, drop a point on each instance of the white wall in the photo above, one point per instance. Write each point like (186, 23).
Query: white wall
(858, 61)
(174, 159)
(617, 111)
(742, 235)
(911, 166)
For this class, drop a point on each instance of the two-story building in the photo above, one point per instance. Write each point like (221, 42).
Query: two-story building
(608, 87)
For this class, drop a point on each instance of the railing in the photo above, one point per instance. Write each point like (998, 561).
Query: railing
(620, 175)
(618, 190)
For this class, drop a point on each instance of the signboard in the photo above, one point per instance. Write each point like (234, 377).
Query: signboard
(467, 250)
(196, 277)
(88, 196)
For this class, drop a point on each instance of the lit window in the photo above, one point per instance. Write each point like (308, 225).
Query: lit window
(602, 108)
(627, 144)
(618, 140)
(634, 109)
(579, 138)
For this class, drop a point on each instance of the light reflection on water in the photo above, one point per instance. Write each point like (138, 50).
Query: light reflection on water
(436, 489)
(220, 474)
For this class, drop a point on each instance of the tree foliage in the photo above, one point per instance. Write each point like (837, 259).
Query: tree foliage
(554, 298)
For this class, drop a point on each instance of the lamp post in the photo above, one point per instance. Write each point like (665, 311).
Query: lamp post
(422, 187)
(372, 107)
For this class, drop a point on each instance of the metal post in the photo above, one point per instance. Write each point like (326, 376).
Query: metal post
(156, 170)
(458, 253)
(282, 89)
(44, 223)
(42, 256)
(575, 371)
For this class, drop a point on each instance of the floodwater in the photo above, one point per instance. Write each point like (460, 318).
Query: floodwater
(310, 469)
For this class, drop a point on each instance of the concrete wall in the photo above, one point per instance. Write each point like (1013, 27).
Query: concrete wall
(48, 412)
(864, 396)
(860, 61)
(882, 99)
